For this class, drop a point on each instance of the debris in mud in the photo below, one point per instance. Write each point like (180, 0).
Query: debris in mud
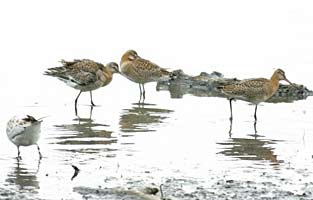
(75, 172)
(229, 181)
(15, 195)
(114, 193)
(205, 85)
(150, 190)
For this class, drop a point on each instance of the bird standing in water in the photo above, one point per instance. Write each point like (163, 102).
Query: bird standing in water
(254, 90)
(84, 75)
(24, 131)
(141, 71)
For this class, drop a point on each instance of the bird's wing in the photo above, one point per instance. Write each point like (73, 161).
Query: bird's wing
(244, 87)
(149, 67)
(80, 72)
(16, 129)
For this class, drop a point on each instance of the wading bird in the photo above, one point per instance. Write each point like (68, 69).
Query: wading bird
(254, 90)
(84, 75)
(141, 71)
(24, 131)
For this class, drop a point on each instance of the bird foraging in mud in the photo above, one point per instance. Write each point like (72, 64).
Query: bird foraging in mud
(254, 90)
(141, 71)
(24, 131)
(84, 75)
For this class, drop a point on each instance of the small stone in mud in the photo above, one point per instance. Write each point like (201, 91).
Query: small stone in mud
(150, 190)
(229, 181)
(302, 195)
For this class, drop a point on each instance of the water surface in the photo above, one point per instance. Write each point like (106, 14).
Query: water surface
(183, 144)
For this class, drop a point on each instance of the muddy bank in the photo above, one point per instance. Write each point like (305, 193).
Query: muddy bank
(206, 84)
(190, 189)
(15, 195)
(114, 193)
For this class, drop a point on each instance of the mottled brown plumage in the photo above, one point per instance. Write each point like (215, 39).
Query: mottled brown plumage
(255, 90)
(84, 75)
(140, 70)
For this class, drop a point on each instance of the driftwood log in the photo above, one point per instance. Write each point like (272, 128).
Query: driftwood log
(206, 85)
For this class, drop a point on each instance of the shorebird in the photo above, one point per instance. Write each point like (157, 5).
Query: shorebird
(141, 71)
(24, 131)
(84, 75)
(254, 90)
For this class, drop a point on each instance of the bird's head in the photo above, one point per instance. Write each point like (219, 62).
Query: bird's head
(129, 55)
(113, 67)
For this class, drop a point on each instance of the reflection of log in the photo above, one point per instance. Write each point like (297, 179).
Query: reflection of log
(205, 85)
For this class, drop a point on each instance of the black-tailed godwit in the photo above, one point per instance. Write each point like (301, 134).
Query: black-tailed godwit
(140, 70)
(254, 90)
(84, 75)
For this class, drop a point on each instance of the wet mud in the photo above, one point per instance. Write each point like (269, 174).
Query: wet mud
(168, 149)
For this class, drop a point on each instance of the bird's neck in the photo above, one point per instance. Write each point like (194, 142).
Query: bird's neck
(106, 76)
(274, 83)
(124, 59)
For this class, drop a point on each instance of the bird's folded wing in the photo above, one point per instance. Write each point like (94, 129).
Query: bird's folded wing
(82, 77)
(16, 131)
(148, 66)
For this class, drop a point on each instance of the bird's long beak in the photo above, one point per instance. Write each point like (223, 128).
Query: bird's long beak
(292, 84)
(40, 119)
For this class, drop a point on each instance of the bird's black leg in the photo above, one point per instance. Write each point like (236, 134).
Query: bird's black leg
(255, 131)
(140, 93)
(144, 92)
(76, 102)
(255, 118)
(90, 113)
(92, 104)
(230, 129)
(231, 110)
(40, 156)
(18, 153)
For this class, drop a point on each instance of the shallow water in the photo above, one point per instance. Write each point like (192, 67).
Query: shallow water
(183, 144)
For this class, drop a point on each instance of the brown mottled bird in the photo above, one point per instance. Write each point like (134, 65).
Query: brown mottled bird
(84, 75)
(140, 70)
(254, 90)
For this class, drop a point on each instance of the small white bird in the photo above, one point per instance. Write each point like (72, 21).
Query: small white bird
(24, 131)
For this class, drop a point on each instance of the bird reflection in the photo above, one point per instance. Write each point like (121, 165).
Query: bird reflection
(142, 118)
(250, 149)
(230, 133)
(23, 178)
(90, 112)
(85, 135)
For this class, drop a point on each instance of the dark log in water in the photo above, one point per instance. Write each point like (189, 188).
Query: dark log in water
(206, 85)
